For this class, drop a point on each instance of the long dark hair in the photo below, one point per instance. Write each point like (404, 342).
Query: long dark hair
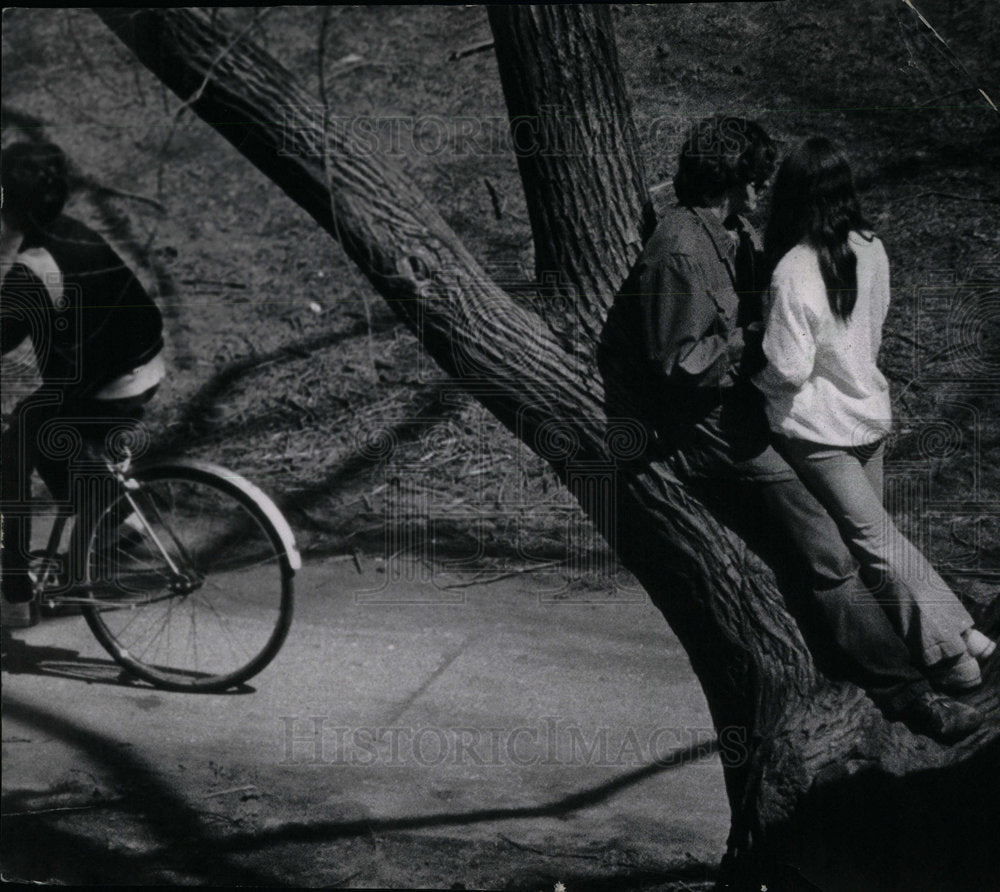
(814, 202)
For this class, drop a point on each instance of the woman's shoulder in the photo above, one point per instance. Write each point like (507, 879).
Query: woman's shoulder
(797, 276)
(797, 261)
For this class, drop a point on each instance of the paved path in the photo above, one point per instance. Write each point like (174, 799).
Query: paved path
(408, 734)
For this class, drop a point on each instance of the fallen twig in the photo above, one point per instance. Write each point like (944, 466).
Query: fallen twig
(508, 575)
(229, 790)
(483, 45)
(953, 58)
(495, 198)
(225, 284)
(45, 811)
(518, 845)
(131, 196)
(930, 103)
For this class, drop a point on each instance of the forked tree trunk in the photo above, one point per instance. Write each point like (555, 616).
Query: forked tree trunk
(828, 789)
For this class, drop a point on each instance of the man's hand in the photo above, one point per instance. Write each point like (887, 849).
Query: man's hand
(735, 348)
(753, 333)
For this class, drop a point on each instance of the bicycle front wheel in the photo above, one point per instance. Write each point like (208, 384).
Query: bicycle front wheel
(190, 576)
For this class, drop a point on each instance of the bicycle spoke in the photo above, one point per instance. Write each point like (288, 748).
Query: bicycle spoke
(224, 622)
(211, 579)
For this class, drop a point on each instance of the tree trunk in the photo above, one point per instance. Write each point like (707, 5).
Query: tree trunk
(812, 749)
(571, 123)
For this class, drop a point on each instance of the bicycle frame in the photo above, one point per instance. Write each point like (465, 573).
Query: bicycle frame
(181, 569)
(50, 567)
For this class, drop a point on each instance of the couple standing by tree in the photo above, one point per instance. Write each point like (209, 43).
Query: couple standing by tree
(775, 393)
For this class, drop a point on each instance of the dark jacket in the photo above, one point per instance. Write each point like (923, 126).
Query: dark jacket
(90, 325)
(697, 286)
(694, 300)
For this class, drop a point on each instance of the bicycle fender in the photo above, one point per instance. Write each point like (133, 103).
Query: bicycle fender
(263, 500)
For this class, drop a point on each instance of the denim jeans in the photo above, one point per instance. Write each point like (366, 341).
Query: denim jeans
(848, 482)
(844, 608)
(783, 522)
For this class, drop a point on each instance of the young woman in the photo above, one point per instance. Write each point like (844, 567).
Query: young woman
(828, 404)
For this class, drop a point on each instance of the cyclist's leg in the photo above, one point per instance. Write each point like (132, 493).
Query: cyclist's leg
(108, 426)
(28, 443)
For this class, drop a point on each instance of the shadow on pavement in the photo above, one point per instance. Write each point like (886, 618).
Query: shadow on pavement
(323, 831)
(21, 658)
(36, 847)
(39, 844)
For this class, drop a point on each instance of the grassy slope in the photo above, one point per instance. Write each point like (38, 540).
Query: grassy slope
(272, 372)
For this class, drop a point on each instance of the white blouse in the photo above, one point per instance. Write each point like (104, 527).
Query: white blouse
(821, 381)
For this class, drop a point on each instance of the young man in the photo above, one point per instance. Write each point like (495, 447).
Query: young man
(97, 339)
(697, 285)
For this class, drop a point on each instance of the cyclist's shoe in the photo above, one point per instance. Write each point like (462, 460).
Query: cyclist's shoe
(19, 614)
(17, 587)
(54, 609)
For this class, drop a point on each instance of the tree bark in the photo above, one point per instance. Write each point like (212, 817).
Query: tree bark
(575, 140)
(811, 747)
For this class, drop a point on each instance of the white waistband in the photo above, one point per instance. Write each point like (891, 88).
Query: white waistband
(135, 382)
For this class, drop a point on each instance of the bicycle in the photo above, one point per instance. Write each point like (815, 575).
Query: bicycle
(182, 570)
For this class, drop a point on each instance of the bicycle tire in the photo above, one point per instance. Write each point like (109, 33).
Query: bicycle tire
(236, 560)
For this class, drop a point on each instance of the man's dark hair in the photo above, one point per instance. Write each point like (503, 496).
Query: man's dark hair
(35, 184)
(721, 152)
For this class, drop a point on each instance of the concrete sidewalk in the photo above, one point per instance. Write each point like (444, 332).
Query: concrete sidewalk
(408, 734)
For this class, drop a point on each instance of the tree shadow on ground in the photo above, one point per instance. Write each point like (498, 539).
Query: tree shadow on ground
(37, 847)
(41, 845)
(196, 428)
(325, 831)
(47, 661)
(646, 879)
(195, 425)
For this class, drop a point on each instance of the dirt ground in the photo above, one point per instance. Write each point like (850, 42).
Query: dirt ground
(274, 370)
(287, 367)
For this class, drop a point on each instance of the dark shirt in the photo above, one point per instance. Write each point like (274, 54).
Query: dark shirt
(93, 324)
(698, 285)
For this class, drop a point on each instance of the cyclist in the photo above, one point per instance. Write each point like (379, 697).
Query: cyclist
(97, 337)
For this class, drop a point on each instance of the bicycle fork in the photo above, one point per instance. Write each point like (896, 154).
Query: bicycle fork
(184, 583)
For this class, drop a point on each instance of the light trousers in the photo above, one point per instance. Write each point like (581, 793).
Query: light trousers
(848, 483)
